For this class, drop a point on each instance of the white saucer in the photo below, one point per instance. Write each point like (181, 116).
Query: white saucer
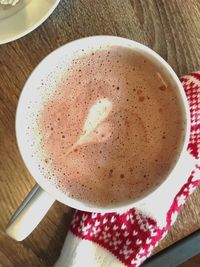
(23, 18)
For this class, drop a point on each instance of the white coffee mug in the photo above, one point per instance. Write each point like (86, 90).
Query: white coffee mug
(43, 195)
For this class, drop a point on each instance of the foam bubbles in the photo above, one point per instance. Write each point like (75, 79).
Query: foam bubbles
(119, 155)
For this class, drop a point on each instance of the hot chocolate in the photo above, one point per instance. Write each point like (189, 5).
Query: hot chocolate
(109, 131)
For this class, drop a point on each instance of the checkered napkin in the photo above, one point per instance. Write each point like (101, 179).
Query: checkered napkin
(128, 238)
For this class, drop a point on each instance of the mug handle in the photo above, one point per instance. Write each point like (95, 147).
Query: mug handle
(29, 214)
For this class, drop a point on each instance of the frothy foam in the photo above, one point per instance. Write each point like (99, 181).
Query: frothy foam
(108, 130)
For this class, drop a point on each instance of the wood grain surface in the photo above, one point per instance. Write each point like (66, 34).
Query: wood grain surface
(171, 28)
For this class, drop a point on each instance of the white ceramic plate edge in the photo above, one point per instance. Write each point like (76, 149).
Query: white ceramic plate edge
(50, 6)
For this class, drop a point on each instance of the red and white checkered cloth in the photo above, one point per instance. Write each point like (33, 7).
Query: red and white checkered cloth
(127, 239)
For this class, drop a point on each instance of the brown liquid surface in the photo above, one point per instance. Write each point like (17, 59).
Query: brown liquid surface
(110, 132)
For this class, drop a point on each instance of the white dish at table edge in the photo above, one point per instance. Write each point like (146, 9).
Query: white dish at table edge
(23, 18)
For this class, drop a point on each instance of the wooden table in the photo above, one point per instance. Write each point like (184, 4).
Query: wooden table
(171, 28)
